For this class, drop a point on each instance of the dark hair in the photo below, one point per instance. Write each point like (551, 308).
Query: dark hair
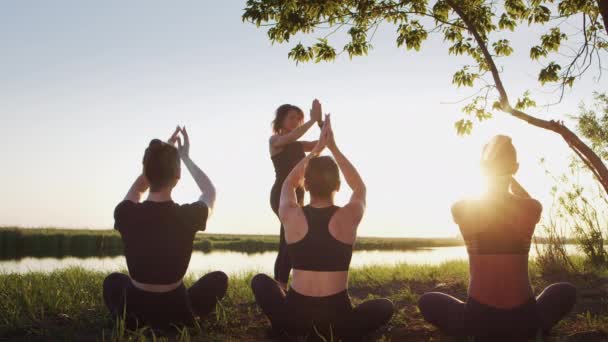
(281, 114)
(161, 164)
(322, 176)
(504, 156)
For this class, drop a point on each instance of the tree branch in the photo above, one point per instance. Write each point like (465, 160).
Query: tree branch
(589, 157)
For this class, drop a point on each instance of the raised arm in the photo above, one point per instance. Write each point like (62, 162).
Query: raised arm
(202, 180)
(289, 201)
(278, 141)
(137, 189)
(309, 145)
(351, 175)
(141, 185)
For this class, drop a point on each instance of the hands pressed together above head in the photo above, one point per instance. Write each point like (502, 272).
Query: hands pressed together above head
(182, 149)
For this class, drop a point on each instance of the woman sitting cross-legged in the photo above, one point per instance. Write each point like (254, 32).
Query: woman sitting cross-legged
(320, 238)
(158, 235)
(497, 229)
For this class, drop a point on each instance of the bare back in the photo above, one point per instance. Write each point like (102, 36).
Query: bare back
(498, 232)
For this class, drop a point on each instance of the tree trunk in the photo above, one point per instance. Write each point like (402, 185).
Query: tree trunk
(603, 5)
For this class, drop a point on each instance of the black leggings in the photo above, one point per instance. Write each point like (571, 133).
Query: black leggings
(282, 265)
(456, 318)
(295, 315)
(163, 310)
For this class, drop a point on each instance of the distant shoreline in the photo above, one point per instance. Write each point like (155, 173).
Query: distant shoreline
(18, 242)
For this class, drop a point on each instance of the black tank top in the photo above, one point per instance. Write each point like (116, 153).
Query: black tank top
(287, 159)
(319, 250)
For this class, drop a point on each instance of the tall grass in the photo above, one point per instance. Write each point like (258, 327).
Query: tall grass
(581, 211)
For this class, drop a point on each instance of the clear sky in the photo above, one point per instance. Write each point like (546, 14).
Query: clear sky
(85, 86)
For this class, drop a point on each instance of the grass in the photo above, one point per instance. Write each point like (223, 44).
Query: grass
(52, 242)
(68, 305)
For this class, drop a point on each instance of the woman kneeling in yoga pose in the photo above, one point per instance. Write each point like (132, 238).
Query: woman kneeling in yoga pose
(157, 235)
(497, 229)
(320, 238)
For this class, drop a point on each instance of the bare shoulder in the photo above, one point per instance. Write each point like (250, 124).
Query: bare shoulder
(460, 206)
(531, 206)
(346, 220)
(352, 212)
(272, 139)
(294, 222)
(273, 144)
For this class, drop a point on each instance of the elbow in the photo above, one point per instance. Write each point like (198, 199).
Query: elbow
(360, 188)
(209, 198)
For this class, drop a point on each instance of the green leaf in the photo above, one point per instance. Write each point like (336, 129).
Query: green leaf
(441, 10)
(464, 78)
(525, 102)
(537, 51)
(299, 53)
(411, 34)
(502, 48)
(549, 73)
(323, 51)
(463, 126)
(506, 22)
(553, 40)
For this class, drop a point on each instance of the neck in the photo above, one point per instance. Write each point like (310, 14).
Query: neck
(498, 186)
(163, 195)
(318, 202)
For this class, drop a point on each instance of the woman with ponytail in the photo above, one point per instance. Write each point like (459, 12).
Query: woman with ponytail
(286, 152)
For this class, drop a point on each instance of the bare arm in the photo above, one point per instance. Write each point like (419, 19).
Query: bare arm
(278, 141)
(204, 183)
(202, 180)
(289, 201)
(309, 145)
(352, 213)
(137, 189)
(351, 175)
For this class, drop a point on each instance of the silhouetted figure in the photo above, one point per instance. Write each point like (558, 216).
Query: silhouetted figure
(158, 235)
(320, 238)
(497, 229)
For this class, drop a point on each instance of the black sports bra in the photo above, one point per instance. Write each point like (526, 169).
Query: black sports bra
(319, 250)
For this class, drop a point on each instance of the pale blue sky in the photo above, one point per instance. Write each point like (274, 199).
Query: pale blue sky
(85, 86)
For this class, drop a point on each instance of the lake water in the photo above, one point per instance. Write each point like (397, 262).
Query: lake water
(237, 262)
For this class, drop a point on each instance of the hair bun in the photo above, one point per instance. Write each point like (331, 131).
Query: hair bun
(494, 148)
(155, 144)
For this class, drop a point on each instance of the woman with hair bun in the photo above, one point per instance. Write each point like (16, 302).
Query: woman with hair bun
(320, 238)
(157, 235)
(497, 229)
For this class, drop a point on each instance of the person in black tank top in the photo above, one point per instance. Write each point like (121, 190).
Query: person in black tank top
(320, 239)
(286, 152)
(497, 230)
(157, 235)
